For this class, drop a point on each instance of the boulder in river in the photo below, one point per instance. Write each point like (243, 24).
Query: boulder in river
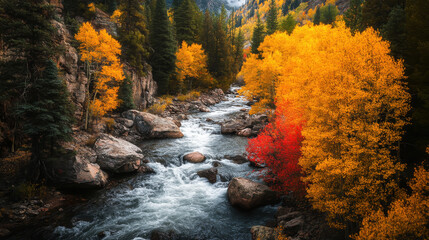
(262, 233)
(73, 170)
(117, 155)
(248, 194)
(247, 132)
(210, 174)
(237, 159)
(194, 157)
(152, 126)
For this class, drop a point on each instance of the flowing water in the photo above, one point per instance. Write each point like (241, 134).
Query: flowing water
(175, 198)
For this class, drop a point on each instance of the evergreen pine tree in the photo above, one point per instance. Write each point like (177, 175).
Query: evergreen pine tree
(133, 34)
(30, 39)
(317, 16)
(187, 20)
(353, 16)
(125, 95)
(164, 47)
(238, 54)
(295, 4)
(272, 18)
(417, 62)
(394, 32)
(285, 9)
(258, 35)
(328, 14)
(375, 13)
(46, 114)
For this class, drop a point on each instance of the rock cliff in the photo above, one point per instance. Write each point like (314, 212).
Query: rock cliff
(144, 87)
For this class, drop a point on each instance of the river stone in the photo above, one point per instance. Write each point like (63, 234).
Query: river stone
(117, 155)
(237, 159)
(247, 194)
(194, 157)
(210, 174)
(152, 126)
(73, 170)
(262, 233)
(292, 227)
(247, 132)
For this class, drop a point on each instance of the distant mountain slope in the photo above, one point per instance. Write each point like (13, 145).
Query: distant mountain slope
(216, 5)
(301, 10)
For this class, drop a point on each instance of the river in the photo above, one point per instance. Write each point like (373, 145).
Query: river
(175, 198)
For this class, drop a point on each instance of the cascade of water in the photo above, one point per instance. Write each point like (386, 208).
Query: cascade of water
(175, 198)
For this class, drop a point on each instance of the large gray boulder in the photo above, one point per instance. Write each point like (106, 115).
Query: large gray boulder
(247, 194)
(210, 174)
(152, 126)
(74, 170)
(117, 155)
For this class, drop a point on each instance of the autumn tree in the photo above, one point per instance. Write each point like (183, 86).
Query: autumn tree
(278, 147)
(100, 53)
(133, 34)
(349, 91)
(164, 47)
(407, 217)
(191, 67)
(272, 18)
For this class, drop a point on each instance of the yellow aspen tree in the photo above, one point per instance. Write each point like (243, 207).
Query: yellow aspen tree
(354, 104)
(100, 52)
(407, 218)
(191, 64)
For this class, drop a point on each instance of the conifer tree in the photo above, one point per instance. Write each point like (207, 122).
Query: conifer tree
(375, 13)
(36, 94)
(394, 32)
(187, 20)
(328, 14)
(164, 47)
(317, 17)
(285, 8)
(238, 53)
(133, 34)
(417, 60)
(272, 18)
(258, 35)
(125, 95)
(353, 16)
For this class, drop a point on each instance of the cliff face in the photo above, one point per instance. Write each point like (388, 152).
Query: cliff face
(144, 87)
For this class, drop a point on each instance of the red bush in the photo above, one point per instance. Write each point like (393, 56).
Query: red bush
(278, 147)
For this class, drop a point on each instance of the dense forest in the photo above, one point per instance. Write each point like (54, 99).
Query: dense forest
(344, 86)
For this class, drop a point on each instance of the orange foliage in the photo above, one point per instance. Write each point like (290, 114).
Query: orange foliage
(191, 65)
(353, 102)
(100, 51)
(407, 218)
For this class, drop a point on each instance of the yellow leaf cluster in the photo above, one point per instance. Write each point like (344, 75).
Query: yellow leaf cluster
(407, 218)
(91, 7)
(116, 16)
(354, 103)
(100, 51)
(191, 65)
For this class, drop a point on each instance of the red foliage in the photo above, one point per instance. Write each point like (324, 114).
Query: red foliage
(278, 147)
